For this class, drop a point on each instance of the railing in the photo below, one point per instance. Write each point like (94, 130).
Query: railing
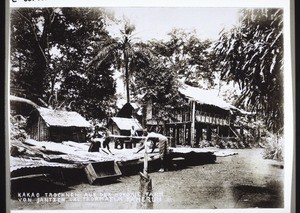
(183, 117)
(211, 119)
(203, 118)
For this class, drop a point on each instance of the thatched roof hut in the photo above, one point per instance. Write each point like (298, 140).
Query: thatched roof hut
(57, 125)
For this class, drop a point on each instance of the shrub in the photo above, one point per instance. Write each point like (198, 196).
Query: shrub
(223, 144)
(17, 128)
(204, 143)
(274, 148)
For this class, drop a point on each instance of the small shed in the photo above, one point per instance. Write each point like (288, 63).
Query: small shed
(122, 126)
(57, 125)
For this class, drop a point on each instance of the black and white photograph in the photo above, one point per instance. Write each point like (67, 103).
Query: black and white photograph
(149, 108)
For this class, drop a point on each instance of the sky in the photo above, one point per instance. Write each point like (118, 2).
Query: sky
(156, 22)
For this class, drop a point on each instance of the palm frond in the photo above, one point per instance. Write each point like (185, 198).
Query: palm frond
(103, 54)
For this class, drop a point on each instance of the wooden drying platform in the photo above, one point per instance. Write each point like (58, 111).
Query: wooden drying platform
(68, 161)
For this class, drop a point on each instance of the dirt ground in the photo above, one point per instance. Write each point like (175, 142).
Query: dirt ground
(245, 180)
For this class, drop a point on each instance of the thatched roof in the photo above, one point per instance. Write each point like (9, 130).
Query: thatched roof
(208, 97)
(62, 118)
(127, 123)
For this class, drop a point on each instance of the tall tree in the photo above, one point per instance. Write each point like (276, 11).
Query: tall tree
(189, 56)
(89, 91)
(31, 41)
(251, 54)
(122, 51)
(51, 48)
(158, 86)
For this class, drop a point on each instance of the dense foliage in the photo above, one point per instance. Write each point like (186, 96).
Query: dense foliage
(165, 65)
(158, 86)
(189, 56)
(65, 57)
(251, 54)
(50, 51)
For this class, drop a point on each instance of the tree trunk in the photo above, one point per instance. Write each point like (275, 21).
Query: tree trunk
(192, 131)
(126, 76)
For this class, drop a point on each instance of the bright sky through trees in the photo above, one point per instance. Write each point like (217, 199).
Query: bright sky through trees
(156, 22)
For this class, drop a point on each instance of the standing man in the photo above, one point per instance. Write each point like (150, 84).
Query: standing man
(106, 141)
(96, 140)
(162, 145)
(132, 134)
(133, 131)
(100, 139)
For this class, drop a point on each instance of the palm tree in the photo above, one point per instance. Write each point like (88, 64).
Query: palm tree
(122, 50)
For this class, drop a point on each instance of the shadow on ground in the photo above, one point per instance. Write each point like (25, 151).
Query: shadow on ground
(268, 196)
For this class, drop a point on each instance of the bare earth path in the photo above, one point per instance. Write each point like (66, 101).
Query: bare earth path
(245, 180)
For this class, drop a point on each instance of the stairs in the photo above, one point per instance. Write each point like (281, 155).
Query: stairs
(236, 133)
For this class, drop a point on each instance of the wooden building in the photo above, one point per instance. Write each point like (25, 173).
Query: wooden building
(122, 126)
(204, 115)
(46, 124)
(121, 130)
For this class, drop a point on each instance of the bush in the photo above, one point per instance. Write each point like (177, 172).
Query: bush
(204, 143)
(274, 148)
(17, 135)
(17, 128)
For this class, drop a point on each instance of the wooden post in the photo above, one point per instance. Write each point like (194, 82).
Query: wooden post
(177, 133)
(198, 134)
(193, 124)
(174, 136)
(228, 131)
(208, 133)
(184, 134)
(146, 201)
(39, 133)
(146, 197)
(146, 159)
(189, 135)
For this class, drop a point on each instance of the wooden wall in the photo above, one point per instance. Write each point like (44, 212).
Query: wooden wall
(58, 134)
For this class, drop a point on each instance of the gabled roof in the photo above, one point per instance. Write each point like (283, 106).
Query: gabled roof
(122, 102)
(62, 118)
(127, 123)
(208, 97)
